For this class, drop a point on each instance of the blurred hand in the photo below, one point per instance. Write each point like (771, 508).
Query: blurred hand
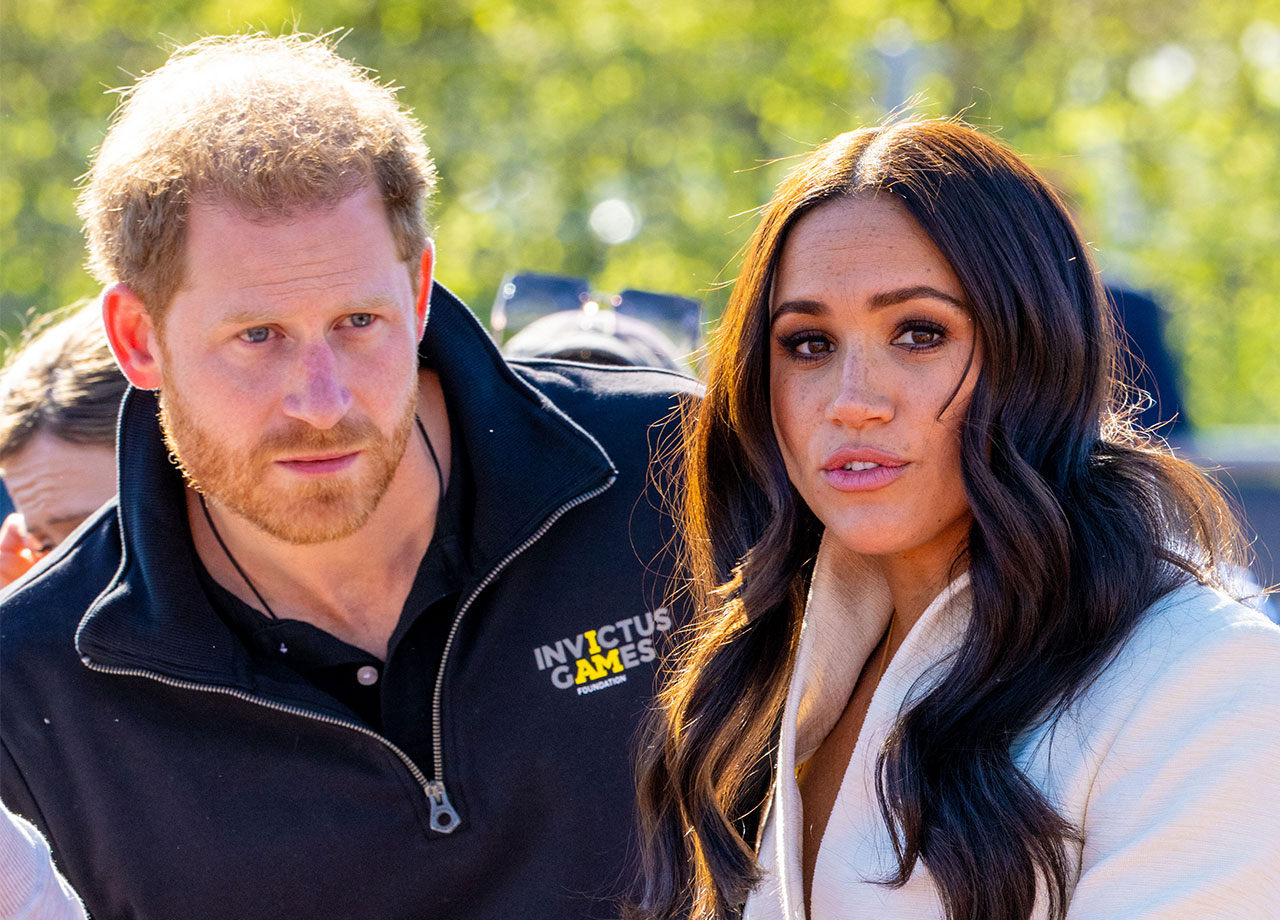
(18, 549)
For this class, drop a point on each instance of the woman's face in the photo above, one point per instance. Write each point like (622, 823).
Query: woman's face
(870, 338)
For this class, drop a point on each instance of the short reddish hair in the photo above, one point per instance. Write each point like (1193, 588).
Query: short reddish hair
(269, 125)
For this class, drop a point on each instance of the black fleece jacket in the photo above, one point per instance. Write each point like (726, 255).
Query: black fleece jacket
(177, 777)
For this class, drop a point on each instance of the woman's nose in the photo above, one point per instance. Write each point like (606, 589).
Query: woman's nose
(862, 394)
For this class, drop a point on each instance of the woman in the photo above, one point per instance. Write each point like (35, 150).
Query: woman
(942, 577)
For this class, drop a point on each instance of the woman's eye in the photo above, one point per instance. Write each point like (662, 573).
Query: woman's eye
(815, 346)
(809, 344)
(257, 335)
(360, 320)
(920, 337)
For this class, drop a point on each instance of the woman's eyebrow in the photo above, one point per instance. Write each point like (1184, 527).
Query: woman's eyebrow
(807, 307)
(915, 292)
(877, 301)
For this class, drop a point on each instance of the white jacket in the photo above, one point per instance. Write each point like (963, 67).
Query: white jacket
(31, 888)
(1170, 763)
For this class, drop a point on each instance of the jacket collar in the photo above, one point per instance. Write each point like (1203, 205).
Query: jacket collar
(528, 459)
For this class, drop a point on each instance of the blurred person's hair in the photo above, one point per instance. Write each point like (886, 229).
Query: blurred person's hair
(61, 379)
(267, 125)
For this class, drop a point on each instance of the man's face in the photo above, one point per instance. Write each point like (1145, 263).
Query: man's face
(288, 365)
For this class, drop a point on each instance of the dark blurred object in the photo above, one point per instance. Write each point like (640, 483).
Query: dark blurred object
(1150, 366)
(6, 503)
(526, 296)
(596, 337)
(553, 316)
(679, 318)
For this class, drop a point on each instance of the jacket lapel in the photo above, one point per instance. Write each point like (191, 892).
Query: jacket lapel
(846, 613)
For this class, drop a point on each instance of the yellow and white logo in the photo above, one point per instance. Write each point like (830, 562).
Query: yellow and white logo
(599, 658)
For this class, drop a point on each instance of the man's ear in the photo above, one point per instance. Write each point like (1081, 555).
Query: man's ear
(426, 271)
(132, 336)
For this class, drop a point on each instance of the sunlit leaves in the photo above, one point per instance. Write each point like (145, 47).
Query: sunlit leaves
(1162, 121)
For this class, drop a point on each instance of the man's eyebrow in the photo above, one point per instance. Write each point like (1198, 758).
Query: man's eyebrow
(877, 301)
(263, 317)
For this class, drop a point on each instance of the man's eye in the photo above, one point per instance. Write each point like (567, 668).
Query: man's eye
(257, 335)
(360, 320)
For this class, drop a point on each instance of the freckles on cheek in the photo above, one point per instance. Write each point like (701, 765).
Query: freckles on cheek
(778, 411)
(790, 428)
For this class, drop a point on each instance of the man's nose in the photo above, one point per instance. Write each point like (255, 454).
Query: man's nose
(862, 395)
(318, 395)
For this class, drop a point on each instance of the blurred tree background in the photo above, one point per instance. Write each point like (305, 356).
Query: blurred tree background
(629, 140)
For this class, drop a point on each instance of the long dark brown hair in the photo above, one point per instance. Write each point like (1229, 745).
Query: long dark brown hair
(1080, 522)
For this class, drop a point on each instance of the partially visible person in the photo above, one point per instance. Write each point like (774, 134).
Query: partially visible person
(60, 393)
(31, 887)
(963, 645)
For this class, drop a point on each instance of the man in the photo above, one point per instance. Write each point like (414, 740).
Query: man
(370, 627)
(60, 393)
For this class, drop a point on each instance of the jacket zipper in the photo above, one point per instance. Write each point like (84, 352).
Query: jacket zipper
(434, 790)
(444, 818)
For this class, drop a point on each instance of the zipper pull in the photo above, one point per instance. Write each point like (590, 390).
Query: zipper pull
(444, 819)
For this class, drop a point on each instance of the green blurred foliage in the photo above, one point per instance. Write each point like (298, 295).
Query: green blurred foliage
(1162, 118)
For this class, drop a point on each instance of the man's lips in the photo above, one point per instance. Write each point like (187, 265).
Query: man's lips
(862, 469)
(320, 464)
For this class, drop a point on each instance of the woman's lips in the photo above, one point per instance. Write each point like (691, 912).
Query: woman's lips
(877, 477)
(861, 469)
